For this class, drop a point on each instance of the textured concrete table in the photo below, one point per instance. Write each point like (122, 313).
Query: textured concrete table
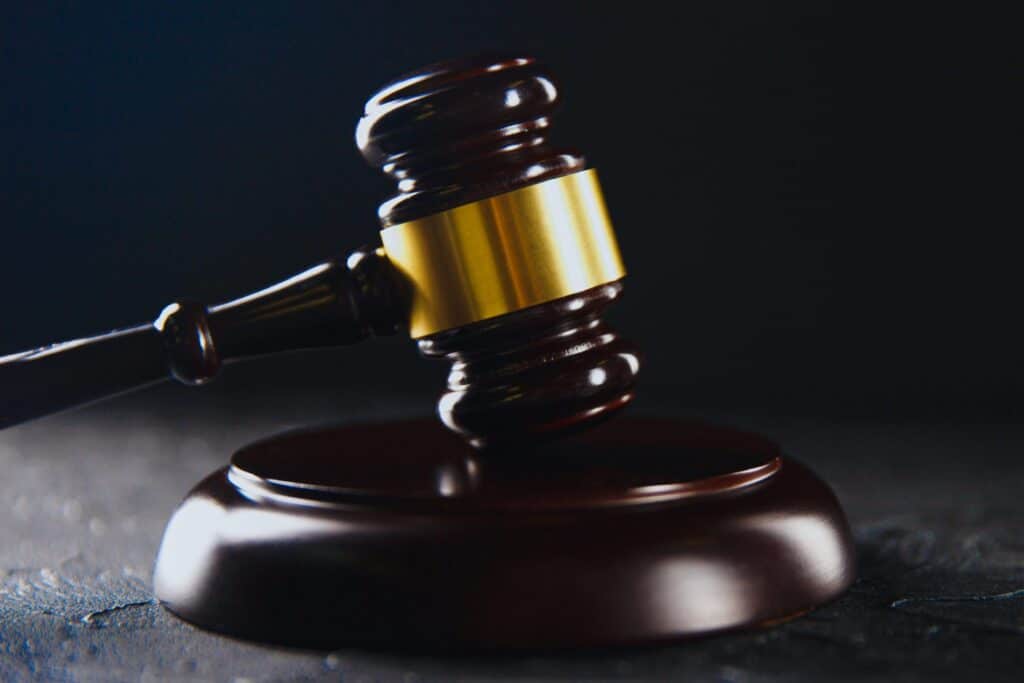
(938, 512)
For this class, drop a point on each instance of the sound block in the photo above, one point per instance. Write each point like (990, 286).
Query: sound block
(399, 536)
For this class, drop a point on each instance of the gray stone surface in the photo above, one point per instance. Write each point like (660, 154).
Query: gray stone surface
(937, 511)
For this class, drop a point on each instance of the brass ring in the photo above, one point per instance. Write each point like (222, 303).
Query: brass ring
(505, 253)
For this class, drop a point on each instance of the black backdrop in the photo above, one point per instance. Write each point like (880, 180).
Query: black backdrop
(803, 205)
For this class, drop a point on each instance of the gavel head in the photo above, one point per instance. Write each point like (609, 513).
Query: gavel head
(505, 247)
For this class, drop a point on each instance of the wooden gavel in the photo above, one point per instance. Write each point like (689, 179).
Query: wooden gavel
(497, 255)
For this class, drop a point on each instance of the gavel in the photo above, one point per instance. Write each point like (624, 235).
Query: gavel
(497, 254)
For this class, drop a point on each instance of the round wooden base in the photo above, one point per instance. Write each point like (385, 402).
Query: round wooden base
(399, 536)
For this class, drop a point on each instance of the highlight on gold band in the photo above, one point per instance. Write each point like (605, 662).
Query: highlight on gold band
(504, 253)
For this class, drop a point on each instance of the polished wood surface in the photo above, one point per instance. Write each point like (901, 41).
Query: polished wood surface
(400, 536)
(332, 303)
(540, 373)
(460, 131)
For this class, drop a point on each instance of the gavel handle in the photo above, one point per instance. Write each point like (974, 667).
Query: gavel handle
(330, 304)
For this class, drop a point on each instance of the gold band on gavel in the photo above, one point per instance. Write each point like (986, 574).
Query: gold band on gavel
(505, 253)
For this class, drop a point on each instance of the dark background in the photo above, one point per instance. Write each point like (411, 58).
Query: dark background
(818, 211)
(806, 201)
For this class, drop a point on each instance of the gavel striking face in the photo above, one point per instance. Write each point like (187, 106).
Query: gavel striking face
(497, 255)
